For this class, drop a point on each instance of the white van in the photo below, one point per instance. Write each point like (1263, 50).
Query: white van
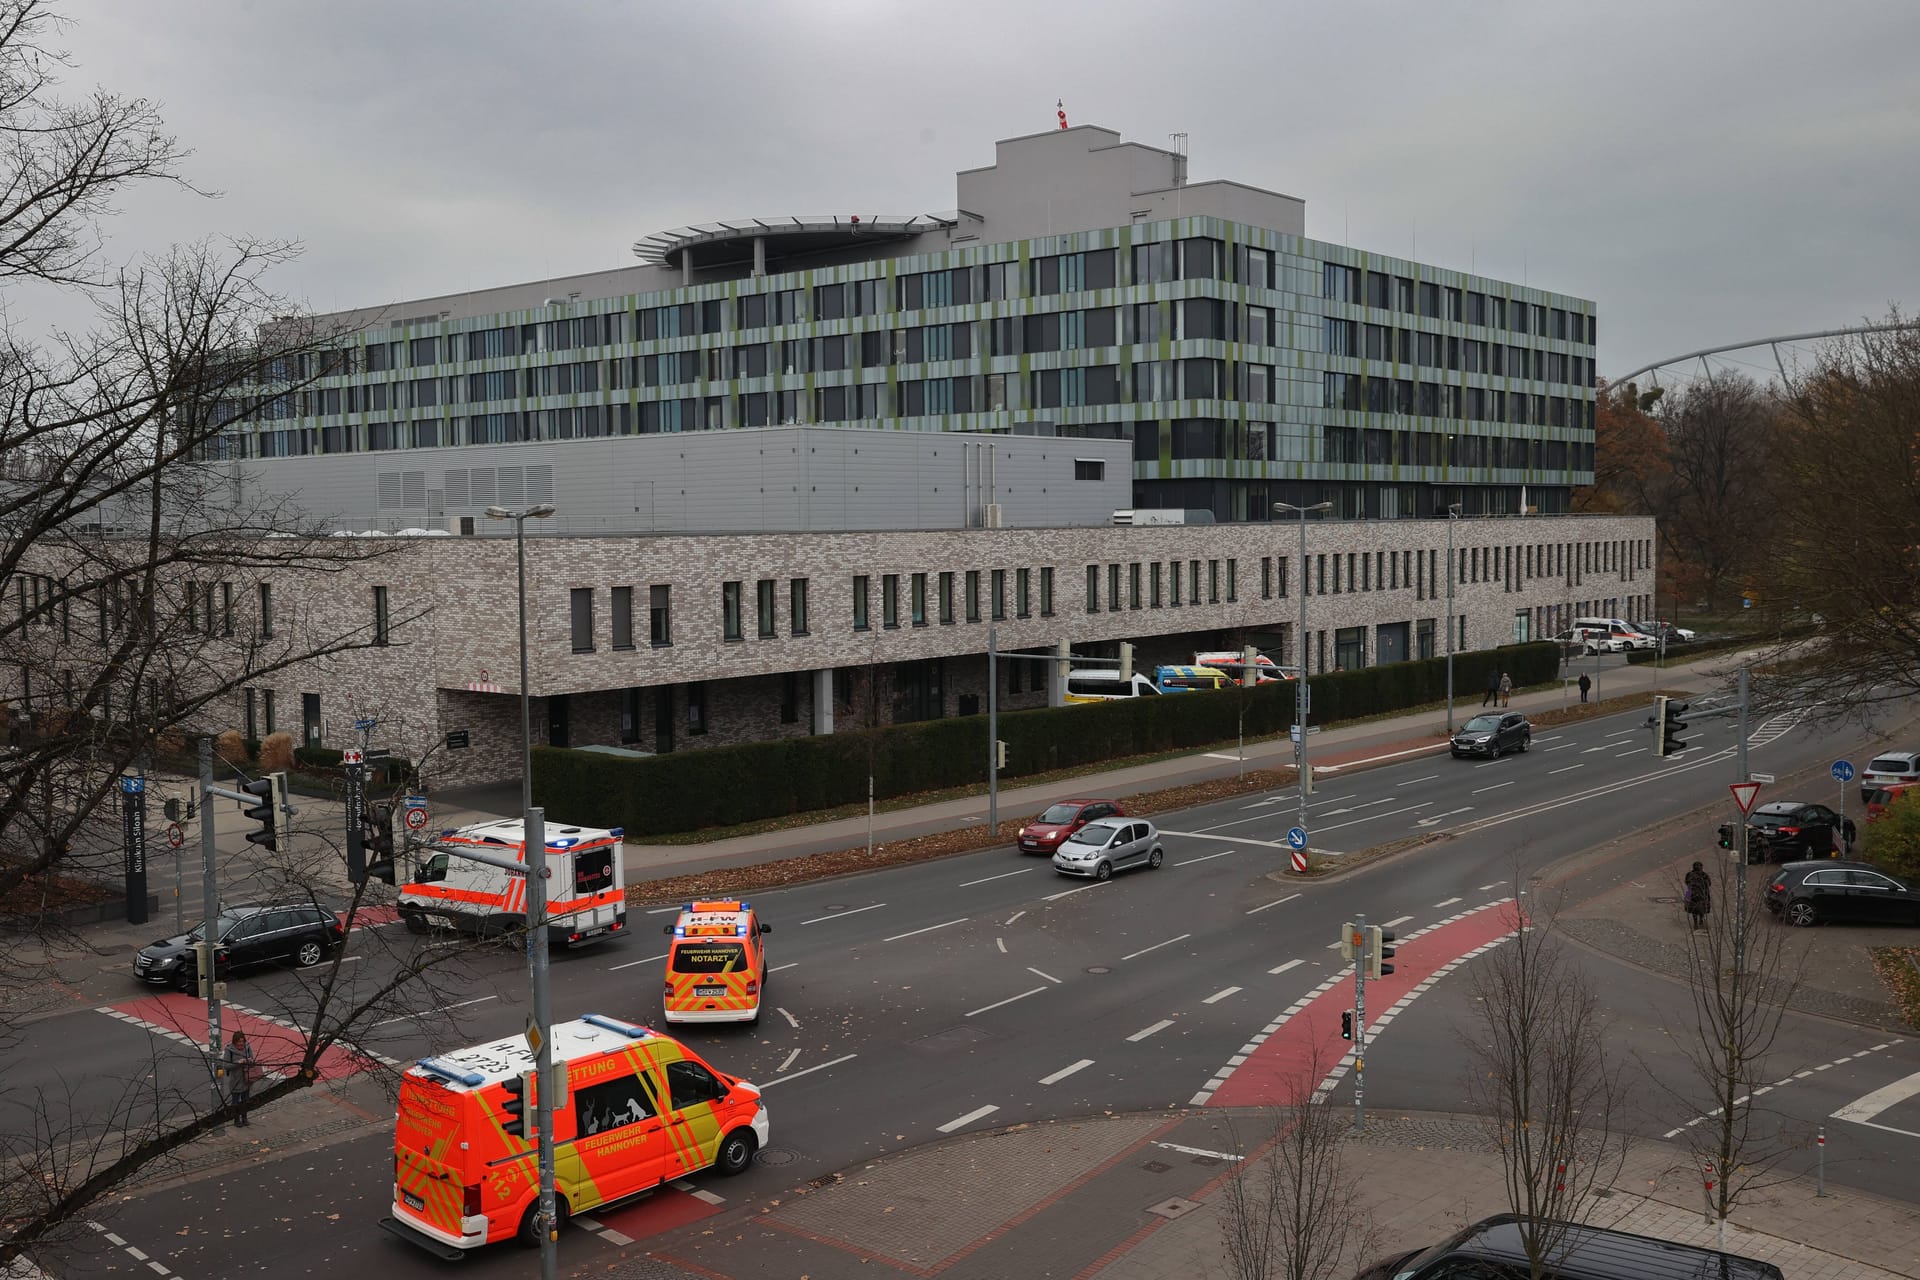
(1096, 685)
(586, 884)
(1616, 629)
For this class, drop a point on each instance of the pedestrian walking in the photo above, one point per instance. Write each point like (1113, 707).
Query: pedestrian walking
(1506, 688)
(1586, 683)
(241, 1069)
(1847, 832)
(1699, 895)
(1493, 688)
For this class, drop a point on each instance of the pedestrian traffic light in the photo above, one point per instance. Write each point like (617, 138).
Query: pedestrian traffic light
(1346, 1024)
(518, 1123)
(1379, 949)
(1726, 835)
(266, 811)
(1350, 941)
(1670, 726)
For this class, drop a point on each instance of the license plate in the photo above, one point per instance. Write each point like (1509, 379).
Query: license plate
(412, 1201)
(709, 991)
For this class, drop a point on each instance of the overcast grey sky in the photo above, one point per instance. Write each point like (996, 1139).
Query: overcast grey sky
(1706, 172)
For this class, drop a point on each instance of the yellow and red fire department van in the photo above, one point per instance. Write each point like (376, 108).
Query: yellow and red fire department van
(637, 1109)
(716, 964)
(586, 884)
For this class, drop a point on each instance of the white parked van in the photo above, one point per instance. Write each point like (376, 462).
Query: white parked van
(1095, 685)
(586, 884)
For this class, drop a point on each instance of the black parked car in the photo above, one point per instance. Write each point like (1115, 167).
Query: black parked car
(302, 932)
(1784, 830)
(1493, 735)
(1839, 890)
(1493, 1249)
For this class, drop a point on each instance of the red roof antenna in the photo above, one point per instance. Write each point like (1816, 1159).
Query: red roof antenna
(1060, 110)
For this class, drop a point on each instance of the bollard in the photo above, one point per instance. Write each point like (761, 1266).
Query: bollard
(1820, 1185)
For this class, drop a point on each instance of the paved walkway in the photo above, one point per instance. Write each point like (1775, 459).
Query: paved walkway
(1141, 1197)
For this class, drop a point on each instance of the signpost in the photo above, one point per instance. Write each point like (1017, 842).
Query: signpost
(133, 819)
(415, 812)
(1843, 774)
(175, 837)
(1297, 841)
(1744, 794)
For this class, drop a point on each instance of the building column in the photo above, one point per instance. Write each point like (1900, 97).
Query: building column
(1057, 674)
(759, 255)
(823, 700)
(686, 268)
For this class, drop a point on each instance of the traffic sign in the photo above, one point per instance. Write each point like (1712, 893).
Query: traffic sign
(416, 819)
(351, 755)
(1744, 794)
(1762, 777)
(365, 726)
(175, 836)
(1297, 837)
(1843, 771)
(533, 1034)
(131, 785)
(414, 802)
(1300, 860)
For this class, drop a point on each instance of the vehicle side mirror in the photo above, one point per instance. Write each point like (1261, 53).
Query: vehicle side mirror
(766, 928)
(667, 929)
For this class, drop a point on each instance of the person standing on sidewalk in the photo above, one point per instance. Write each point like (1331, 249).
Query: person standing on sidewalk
(1586, 683)
(241, 1070)
(1493, 688)
(1699, 895)
(1506, 688)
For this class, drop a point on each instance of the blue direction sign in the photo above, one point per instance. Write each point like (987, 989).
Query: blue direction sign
(1297, 837)
(415, 802)
(1843, 771)
(365, 725)
(132, 786)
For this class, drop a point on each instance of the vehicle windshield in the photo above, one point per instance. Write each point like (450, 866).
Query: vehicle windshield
(709, 957)
(221, 928)
(1094, 833)
(1482, 724)
(1059, 813)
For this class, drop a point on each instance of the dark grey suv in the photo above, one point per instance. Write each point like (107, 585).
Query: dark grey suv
(304, 933)
(1493, 735)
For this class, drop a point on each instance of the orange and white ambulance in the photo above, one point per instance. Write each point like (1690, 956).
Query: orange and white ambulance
(637, 1109)
(586, 884)
(716, 964)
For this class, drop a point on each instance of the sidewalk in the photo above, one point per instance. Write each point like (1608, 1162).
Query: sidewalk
(1141, 1197)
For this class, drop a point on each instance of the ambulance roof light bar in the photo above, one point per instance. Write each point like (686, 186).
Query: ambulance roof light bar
(446, 1071)
(628, 1029)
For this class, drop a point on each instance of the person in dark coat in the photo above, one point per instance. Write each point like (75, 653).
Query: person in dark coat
(1493, 688)
(1586, 683)
(1699, 895)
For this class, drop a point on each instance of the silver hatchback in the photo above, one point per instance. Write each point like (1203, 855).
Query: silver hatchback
(1101, 848)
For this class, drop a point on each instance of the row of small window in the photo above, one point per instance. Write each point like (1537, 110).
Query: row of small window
(1352, 391)
(1377, 448)
(1464, 355)
(659, 615)
(1220, 575)
(943, 585)
(1384, 291)
(204, 608)
(1513, 564)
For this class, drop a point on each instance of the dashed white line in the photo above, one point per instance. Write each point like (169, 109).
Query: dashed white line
(791, 1020)
(1064, 1072)
(1015, 916)
(1049, 977)
(914, 933)
(1636, 751)
(1220, 995)
(988, 1008)
(1068, 893)
(968, 884)
(1282, 968)
(789, 1061)
(660, 911)
(1563, 746)
(1156, 946)
(1289, 898)
(768, 1084)
(1200, 1151)
(1497, 884)
(1621, 733)
(424, 1013)
(967, 1119)
(1144, 1032)
(838, 914)
(1495, 787)
(1445, 902)
(1002, 944)
(629, 964)
(788, 965)
(1391, 923)
(1568, 769)
(1205, 857)
(1602, 747)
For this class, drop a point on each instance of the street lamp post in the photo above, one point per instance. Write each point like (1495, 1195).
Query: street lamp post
(1453, 513)
(534, 853)
(1301, 705)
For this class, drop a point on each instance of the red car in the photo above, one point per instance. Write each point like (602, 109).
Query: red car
(1044, 833)
(1878, 798)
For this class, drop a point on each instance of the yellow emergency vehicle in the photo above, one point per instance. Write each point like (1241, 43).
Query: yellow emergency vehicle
(716, 964)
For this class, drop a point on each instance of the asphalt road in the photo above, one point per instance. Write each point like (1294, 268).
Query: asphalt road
(984, 990)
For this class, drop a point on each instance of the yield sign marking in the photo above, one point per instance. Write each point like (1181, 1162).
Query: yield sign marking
(1744, 794)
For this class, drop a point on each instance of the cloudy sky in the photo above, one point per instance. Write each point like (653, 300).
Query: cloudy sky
(1707, 172)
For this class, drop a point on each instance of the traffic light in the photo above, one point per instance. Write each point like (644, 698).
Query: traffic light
(1346, 1024)
(376, 839)
(267, 811)
(1000, 755)
(1379, 949)
(519, 1121)
(1350, 941)
(1670, 726)
(1726, 835)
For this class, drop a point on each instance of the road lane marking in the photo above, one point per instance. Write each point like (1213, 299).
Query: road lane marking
(1002, 944)
(1602, 747)
(789, 1062)
(1372, 817)
(1391, 755)
(968, 884)
(1205, 857)
(1497, 884)
(1445, 902)
(1429, 778)
(1334, 813)
(1863, 1109)
(1495, 787)
(1064, 1072)
(788, 965)
(1568, 769)
(1563, 746)
(1202, 835)
(1860, 1111)
(1220, 995)
(1049, 977)
(1142, 1034)
(1621, 733)
(989, 1008)
(660, 911)
(1636, 751)
(967, 1119)
(1199, 1151)
(836, 915)
(446, 1008)
(1015, 916)
(1219, 755)
(629, 964)
(791, 1020)
(1289, 898)
(1068, 893)
(1442, 817)
(1156, 946)
(1551, 737)
(807, 1071)
(914, 933)
(1282, 968)
(1391, 923)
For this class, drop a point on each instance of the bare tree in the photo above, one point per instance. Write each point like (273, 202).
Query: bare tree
(1542, 1082)
(1293, 1212)
(1742, 973)
(1714, 509)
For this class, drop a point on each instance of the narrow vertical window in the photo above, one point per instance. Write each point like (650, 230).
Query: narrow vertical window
(623, 619)
(763, 607)
(730, 606)
(583, 619)
(797, 606)
(660, 615)
(266, 613)
(860, 619)
(380, 634)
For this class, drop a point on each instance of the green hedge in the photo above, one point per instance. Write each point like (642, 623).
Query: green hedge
(687, 790)
(317, 757)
